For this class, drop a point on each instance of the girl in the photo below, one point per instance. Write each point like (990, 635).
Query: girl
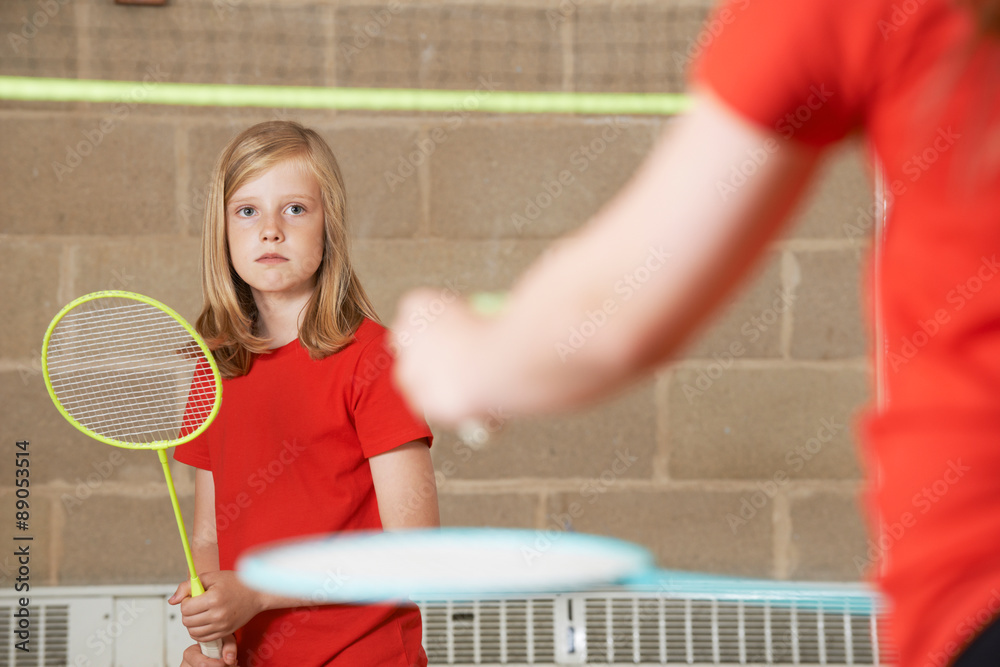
(311, 436)
(781, 82)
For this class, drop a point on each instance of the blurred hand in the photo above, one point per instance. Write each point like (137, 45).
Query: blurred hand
(440, 345)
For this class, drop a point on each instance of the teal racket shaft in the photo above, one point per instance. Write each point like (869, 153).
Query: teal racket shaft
(482, 563)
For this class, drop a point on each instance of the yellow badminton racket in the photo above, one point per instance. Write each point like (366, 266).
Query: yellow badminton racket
(129, 371)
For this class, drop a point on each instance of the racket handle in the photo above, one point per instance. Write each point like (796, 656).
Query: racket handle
(212, 649)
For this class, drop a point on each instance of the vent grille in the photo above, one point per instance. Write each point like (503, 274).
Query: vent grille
(685, 631)
(49, 641)
(516, 631)
(646, 629)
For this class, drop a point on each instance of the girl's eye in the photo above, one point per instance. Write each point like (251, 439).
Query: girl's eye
(295, 209)
(245, 211)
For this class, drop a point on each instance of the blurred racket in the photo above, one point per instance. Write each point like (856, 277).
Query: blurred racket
(476, 563)
(129, 371)
(475, 433)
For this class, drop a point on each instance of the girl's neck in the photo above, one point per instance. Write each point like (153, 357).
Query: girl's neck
(280, 315)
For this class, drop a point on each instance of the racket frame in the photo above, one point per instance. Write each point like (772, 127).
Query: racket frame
(212, 648)
(106, 294)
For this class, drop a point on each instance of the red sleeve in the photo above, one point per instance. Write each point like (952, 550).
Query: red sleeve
(382, 418)
(200, 400)
(801, 69)
(195, 452)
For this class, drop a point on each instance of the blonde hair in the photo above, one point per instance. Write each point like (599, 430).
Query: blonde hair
(986, 14)
(229, 320)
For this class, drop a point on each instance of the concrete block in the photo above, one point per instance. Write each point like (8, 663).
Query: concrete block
(828, 533)
(611, 441)
(166, 269)
(500, 510)
(39, 39)
(61, 453)
(829, 322)
(389, 268)
(31, 285)
(769, 424)
(840, 203)
(224, 42)
(683, 529)
(109, 173)
(459, 47)
(536, 180)
(634, 48)
(749, 325)
(123, 539)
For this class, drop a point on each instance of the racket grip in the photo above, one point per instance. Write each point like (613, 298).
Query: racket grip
(212, 649)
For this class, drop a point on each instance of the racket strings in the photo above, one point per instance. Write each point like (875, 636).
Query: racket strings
(130, 372)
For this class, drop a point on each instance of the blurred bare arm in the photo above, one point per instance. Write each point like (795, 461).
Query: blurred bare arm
(633, 283)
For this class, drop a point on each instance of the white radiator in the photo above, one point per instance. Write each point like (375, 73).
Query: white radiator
(615, 627)
(94, 626)
(133, 626)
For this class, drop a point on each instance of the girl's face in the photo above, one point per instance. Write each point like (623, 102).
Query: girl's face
(274, 225)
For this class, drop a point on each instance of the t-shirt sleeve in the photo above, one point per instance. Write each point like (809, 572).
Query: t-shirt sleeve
(382, 417)
(200, 398)
(794, 68)
(195, 452)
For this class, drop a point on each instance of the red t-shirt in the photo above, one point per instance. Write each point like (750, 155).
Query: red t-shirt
(905, 74)
(289, 454)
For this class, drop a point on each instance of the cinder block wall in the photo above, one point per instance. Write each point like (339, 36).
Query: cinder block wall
(739, 459)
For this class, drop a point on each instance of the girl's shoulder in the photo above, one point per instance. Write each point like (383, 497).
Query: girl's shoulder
(368, 331)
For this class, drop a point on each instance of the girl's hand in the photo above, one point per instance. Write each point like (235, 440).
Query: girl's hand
(194, 658)
(225, 606)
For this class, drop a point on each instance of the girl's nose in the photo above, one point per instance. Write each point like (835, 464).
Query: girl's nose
(270, 229)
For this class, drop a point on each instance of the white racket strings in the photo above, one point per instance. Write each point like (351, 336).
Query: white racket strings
(130, 372)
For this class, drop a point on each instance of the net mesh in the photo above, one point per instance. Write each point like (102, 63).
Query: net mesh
(128, 371)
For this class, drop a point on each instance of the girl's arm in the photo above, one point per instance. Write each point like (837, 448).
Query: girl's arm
(205, 552)
(407, 497)
(405, 487)
(227, 604)
(610, 302)
(204, 540)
